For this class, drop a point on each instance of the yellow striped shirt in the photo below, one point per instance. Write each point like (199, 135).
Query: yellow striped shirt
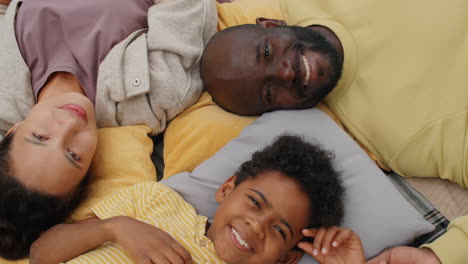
(158, 205)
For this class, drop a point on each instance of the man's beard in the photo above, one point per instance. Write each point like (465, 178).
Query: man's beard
(308, 39)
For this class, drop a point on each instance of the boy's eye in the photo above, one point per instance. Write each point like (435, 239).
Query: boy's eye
(73, 155)
(39, 137)
(280, 231)
(255, 202)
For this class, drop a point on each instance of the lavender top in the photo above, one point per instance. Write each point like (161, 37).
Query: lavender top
(74, 36)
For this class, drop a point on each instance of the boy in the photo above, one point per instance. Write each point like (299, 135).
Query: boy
(253, 224)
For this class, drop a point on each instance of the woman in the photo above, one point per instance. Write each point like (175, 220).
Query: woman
(51, 52)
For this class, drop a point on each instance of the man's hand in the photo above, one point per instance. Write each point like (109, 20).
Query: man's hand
(146, 243)
(407, 255)
(5, 2)
(334, 245)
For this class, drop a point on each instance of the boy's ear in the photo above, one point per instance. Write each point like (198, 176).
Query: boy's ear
(225, 189)
(13, 128)
(269, 22)
(292, 257)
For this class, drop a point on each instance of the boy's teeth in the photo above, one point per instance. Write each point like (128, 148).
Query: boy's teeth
(239, 238)
(307, 70)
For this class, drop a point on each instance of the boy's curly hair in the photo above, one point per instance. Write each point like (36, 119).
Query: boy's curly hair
(311, 166)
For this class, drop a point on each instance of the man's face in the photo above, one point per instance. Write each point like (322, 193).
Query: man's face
(260, 220)
(260, 69)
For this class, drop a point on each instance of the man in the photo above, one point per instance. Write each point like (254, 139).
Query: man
(253, 69)
(403, 93)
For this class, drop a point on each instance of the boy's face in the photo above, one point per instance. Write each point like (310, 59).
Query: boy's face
(260, 220)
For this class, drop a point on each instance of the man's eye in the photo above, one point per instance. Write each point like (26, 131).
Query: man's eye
(255, 202)
(39, 137)
(73, 155)
(280, 231)
(267, 52)
(268, 94)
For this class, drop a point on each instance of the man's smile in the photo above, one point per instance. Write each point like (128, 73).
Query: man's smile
(307, 70)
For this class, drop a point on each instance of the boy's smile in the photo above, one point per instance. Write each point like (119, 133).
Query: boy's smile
(254, 223)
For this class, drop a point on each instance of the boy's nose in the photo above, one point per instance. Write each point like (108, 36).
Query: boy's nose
(258, 230)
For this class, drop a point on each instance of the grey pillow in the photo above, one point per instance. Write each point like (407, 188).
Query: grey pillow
(374, 208)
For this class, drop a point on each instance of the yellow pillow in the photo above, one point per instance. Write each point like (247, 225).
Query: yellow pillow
(123, 158)
(198, 133)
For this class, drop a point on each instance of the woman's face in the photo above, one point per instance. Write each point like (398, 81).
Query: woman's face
(53, 147)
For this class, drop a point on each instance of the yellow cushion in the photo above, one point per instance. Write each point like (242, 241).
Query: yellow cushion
(198, 133)
(123, 158)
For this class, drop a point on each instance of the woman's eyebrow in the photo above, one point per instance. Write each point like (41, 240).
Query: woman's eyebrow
(34, 142)
(72, 161)
(42, 144)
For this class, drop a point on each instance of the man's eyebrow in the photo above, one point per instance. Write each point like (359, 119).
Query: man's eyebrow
(268, 203)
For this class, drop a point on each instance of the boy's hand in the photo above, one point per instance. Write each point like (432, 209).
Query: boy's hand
(147, 244)
(333, 245)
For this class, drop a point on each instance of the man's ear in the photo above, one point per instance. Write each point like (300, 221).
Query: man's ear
(269, 22)
(13, 128)
(225, 189)
(292, 257)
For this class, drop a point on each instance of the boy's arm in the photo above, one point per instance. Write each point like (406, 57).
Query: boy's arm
(334, 245)
(66, 241)
(141, 241)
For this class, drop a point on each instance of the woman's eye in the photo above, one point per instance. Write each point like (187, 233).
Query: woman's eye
(280, 231)
(73, 155)
(255, 202)
(39, 137)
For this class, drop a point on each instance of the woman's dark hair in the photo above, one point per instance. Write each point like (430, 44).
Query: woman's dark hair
(311, 167)
(25, 214)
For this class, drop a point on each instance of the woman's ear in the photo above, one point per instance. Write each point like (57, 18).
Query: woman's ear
(292, 257)
(269, 23)
(225, 189)
(13, 128)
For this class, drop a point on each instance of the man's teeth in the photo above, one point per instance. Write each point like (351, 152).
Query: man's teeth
(239, 238)
(307, 70)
